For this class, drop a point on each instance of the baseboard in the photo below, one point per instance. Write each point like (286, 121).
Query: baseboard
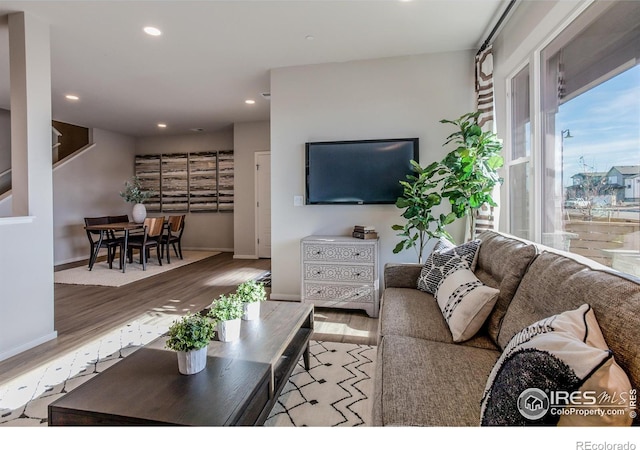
(245, 257)
(29, 345)
(287, 297)
(208, 249)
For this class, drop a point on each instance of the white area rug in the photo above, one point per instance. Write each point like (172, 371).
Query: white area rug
(101, 275)
(336, 391)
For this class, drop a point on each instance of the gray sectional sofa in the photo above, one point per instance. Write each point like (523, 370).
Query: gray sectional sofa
(423, 378)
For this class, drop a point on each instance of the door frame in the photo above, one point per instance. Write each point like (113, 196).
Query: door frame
(256, 155)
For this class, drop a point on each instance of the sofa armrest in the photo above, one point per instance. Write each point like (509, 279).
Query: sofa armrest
(402, 275)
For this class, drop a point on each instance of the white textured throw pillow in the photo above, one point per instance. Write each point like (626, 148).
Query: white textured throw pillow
(465, 303)
(558, 370)
(445, 258)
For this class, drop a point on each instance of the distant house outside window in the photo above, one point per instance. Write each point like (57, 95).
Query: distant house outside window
(588, 148)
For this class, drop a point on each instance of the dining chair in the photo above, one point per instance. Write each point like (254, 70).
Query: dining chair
(150, 238)
(110, 242)
(173, 237)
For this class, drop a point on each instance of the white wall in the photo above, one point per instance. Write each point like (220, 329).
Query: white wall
(212, 231)
(5, 140)
(249, 138)
(89, 185)
(383, 98)
(26, 241)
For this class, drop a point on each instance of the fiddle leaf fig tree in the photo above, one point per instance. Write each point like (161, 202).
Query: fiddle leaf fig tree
(470, 171)
(420, 197)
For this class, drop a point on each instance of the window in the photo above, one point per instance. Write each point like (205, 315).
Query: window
(573, 153)
(590, 99)
(518, 162)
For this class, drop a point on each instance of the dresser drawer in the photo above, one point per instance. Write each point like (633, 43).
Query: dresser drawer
(344, 272)
(339, 292)
(338, 253)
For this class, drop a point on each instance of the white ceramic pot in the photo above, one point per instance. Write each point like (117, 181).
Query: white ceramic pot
(251, 311)
(228, 330)
(139, 212)
(193, 361)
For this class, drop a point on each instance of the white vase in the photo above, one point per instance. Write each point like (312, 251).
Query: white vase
(251, 311)
(139, 213)
(193, 361)
(228, 330)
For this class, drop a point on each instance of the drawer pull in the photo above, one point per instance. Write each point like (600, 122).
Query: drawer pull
(357, 254)
(357, 274)
(319, 252)
(318, 272)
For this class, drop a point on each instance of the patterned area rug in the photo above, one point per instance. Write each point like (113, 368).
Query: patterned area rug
(335, 392)
(101, 275)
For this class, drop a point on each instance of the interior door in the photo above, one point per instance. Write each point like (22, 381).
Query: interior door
(263, 203)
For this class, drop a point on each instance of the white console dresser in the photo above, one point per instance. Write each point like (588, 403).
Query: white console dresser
(341, 272)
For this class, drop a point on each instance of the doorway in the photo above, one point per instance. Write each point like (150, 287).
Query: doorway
(263, 203)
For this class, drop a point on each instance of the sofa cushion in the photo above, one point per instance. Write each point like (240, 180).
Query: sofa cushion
(413, 313)
(465, 303)
(562, 353)
(556, 283)
(444, 258)
(502, 262)
(429, 383)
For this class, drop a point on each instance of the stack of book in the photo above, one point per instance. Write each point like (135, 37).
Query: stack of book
(364, 232)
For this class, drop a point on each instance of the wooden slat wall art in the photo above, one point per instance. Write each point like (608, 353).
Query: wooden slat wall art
(203, 192)
(225, 181)
(195, 182)
(147, 169)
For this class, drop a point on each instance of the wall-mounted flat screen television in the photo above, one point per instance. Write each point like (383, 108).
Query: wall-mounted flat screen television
(358, 172)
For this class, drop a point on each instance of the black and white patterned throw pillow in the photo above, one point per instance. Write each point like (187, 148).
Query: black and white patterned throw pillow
(558, 371)
(444, 258)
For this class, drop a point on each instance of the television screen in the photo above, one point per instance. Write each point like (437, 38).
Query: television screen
(358, 172)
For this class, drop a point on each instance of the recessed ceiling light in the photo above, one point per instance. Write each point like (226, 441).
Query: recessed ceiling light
(162, 125)
(71, 97)
(249, 102)
(309, 37)
(152, 31)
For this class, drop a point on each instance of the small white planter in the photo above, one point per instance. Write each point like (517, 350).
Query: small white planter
(192, 362)
(228, 330)
(251, 311)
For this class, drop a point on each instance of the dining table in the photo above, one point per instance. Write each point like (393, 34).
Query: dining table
(112, 227)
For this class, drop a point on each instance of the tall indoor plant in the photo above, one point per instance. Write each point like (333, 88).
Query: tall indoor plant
(420, 196)
(470, 171)
(136, 194)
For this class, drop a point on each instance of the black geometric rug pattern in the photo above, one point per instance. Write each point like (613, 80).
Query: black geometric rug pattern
(338, 385)
(337, 390)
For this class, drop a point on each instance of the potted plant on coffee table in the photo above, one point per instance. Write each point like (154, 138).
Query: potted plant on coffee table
(189, 337)
(226, 312)
(251, 294)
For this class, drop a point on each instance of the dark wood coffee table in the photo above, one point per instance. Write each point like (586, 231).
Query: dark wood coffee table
(239, 386)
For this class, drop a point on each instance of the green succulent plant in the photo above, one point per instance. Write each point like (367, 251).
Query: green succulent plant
(226, 307)
(251, 291)
(190, 332)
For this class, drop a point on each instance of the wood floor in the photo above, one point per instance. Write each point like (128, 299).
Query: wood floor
(83, 313)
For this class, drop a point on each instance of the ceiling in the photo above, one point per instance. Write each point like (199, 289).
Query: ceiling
(214, 55)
